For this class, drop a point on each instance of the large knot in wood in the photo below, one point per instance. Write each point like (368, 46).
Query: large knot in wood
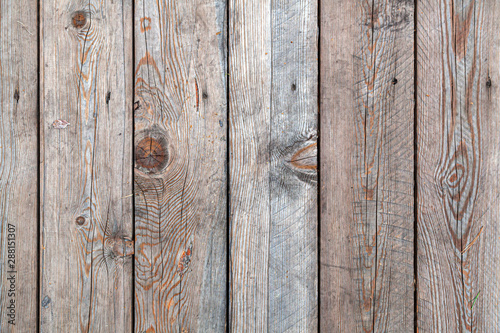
(151, 153)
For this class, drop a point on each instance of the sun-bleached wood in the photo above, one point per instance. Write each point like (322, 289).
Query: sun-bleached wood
(367, 185)
(86, 166)
(273, 51)
(180, 166)
(18, 165)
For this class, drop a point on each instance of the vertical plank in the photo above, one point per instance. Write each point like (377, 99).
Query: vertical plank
(458, 166)
(180, 165)
(86, 212)
(366, 197)
(18, 165)
(273, 50)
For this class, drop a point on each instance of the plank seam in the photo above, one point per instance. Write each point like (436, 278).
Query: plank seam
(415, 171)
(132, 310)
(39, 197)
(318, 169)
(228, 180)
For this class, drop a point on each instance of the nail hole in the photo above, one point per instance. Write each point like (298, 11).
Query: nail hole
(205, 95)
(488, 82)
(294, 87)
(394, 81)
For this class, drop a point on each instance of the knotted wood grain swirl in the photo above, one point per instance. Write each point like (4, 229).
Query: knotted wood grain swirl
(458, 166)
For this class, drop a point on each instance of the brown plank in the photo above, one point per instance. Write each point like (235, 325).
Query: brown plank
(86, 166)
(366, 108)
(458, 166)
(273, 50)
(180, 166)
(18, 166)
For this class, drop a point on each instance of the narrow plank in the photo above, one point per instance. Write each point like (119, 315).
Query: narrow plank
(273, 50)
(458, 166)
(86, 166)
(366, 196)
(180, 165)
(18, 165)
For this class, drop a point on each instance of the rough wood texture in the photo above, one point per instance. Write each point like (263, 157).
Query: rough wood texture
(180, 166)
(366, 105)
(18, 165)
(458, 166)
(273, 130)
(86, 227)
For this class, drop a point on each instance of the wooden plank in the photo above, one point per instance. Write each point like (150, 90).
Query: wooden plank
(458, 166)
(366, 199)
(180, 165)
(273, 50)
(18, 166)
(86, 227)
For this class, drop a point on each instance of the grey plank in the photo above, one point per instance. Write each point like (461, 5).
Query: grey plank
(180, 166)
(367, 185)
(86, 167)
(18, 165)
(273, 50)
(458, 144)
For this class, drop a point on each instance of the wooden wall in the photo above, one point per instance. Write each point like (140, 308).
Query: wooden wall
(249, 166)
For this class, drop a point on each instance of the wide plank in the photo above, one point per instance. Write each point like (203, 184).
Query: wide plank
(180, 166)
(458, 166)
(273, 95)
(86, 166)
(18, 165)
(367, 184)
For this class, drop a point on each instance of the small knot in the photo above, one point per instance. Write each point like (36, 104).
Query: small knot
(46, 301)
(123, 247)
(80, 220)
(205, 95)
(79, 19)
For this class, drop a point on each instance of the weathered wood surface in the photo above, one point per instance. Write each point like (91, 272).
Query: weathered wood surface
(86, 166)
(18, 165)
(180, 166)
(458, 166)
(366, 196)
(273, 50)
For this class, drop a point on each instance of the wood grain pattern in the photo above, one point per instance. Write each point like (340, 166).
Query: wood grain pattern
(273, 170)
(367, 182)
(180, 166)
(18, 165)
(86, 142)
(458, 166)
